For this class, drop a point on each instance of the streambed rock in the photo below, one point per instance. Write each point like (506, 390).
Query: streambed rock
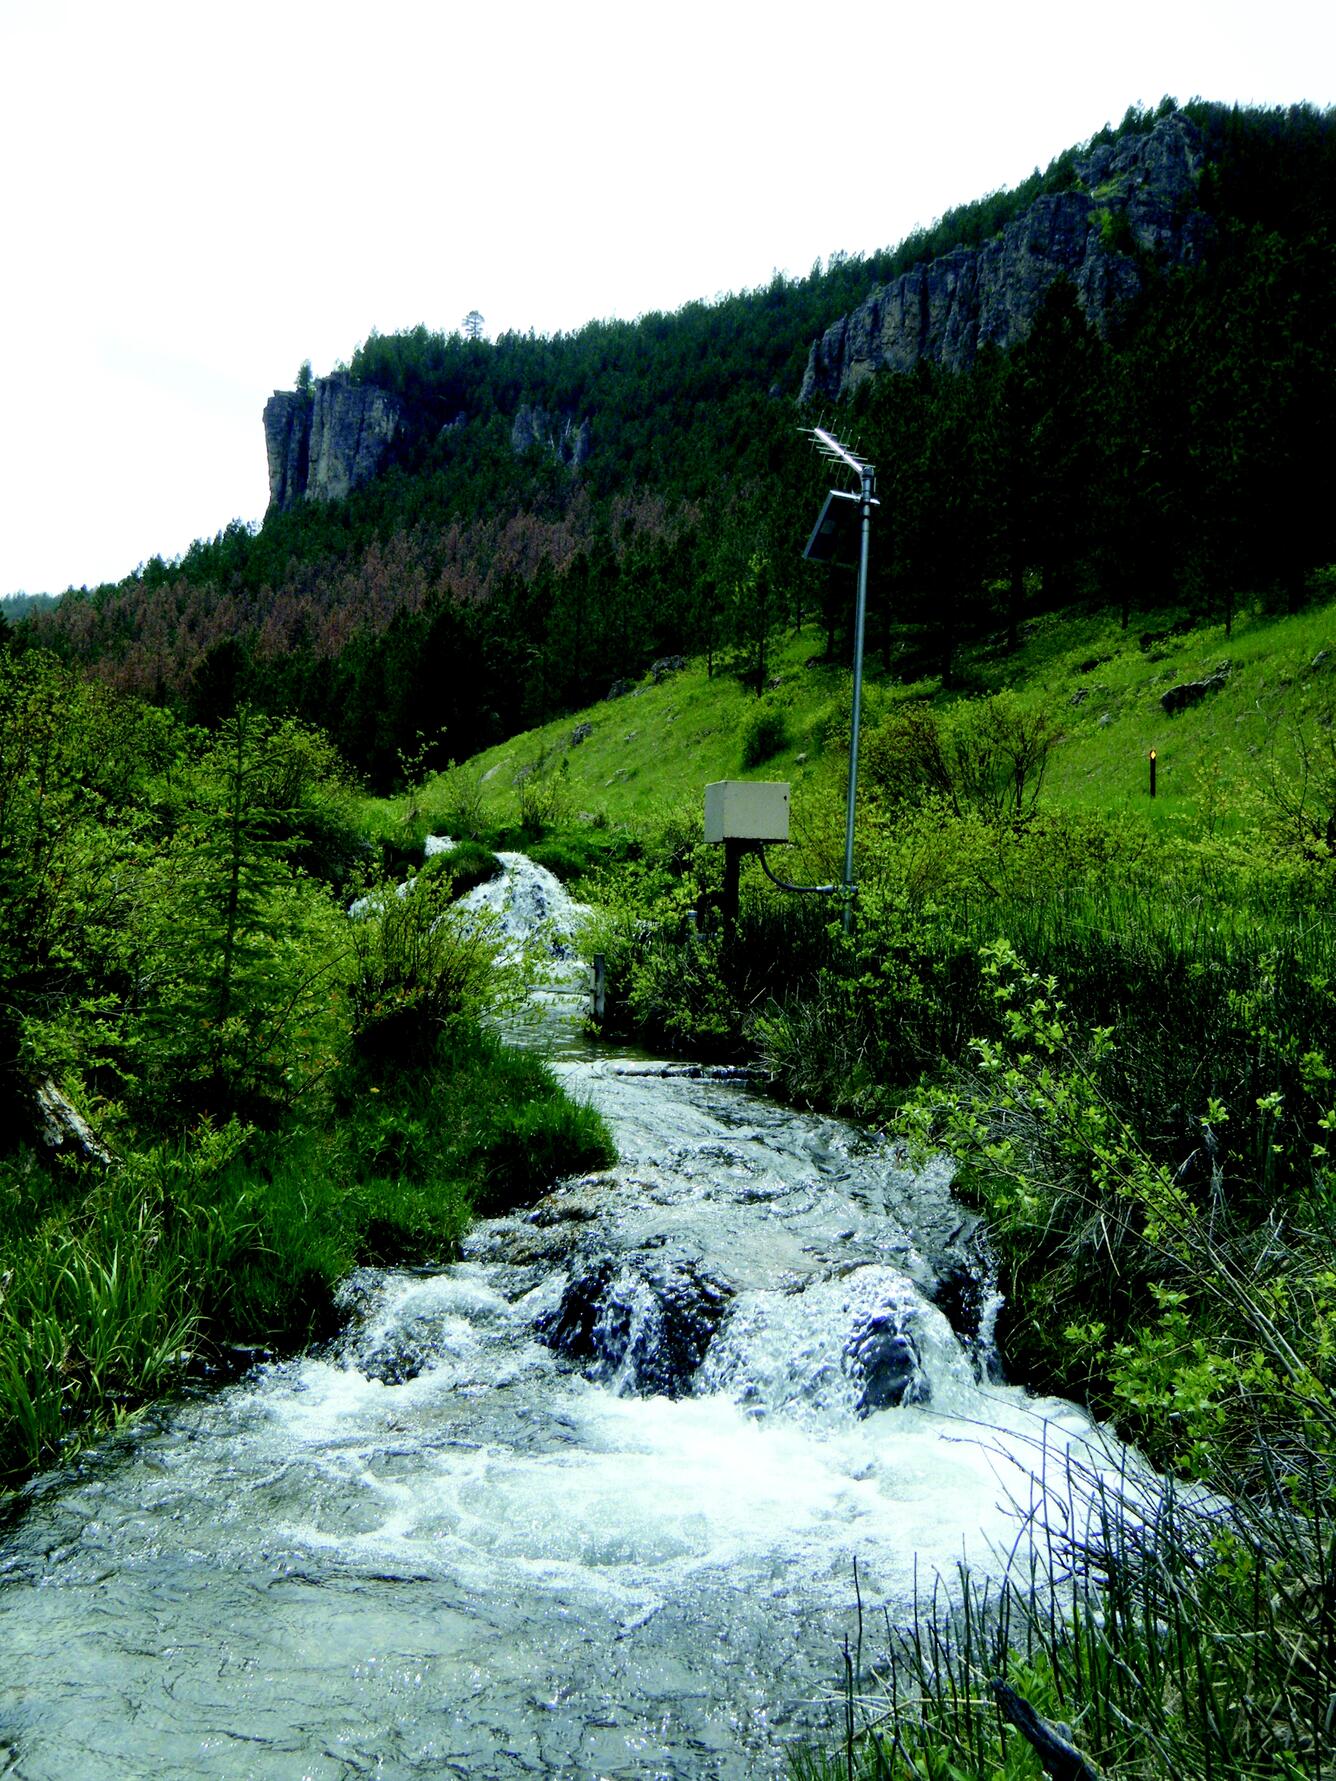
(884, 1363)
(644, 1325)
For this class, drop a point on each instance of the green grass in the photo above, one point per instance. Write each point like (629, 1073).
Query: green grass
(653, 751)
(1210, 756)
(647, 752)
(1188, 1642)
(117, 1283)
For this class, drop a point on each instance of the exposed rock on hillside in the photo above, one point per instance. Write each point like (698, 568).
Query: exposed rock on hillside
(287, 442)
(1132, 206)
(566, 438)
(353, 426)
(1192, 692)
(322, 448)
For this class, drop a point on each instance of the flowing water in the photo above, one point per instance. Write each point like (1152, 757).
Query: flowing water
(585, 1503)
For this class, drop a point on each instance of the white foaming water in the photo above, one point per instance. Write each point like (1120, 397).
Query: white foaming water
(529, 903)
(493, 1469)
(789, 1351)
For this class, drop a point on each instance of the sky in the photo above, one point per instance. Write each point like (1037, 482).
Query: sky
(195, 197)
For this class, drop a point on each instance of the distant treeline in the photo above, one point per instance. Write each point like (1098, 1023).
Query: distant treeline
(16, 606)
(474, 591)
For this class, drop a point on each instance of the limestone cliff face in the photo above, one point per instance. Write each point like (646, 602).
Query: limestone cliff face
(353, 426)
(287, 443)
(322, 447)
(1133, 203)
(566, 438)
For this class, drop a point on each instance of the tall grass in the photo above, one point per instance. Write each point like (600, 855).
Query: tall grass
(1164, 1633)
(104, 1298)
(125, 1280)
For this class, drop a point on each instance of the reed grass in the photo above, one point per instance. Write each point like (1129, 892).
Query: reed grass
(1166, 1632)
(117, 1283)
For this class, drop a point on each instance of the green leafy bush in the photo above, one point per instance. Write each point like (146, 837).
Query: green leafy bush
(467, 864)
(416, 963)
(765, 733)
(543, 792)
(985, 756)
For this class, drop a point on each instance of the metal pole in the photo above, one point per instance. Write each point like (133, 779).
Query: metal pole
(830, 447)
(860, 615)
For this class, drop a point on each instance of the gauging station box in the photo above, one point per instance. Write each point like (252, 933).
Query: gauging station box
(747, 810)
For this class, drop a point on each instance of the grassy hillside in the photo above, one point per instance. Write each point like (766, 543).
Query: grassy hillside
(654, 749)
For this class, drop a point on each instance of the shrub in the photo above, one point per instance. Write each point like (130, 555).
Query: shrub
(1131, 1266)
(466, 865)
(458, 795)
(986, 756)
(765, 733)
(416, 963)
(543, 792)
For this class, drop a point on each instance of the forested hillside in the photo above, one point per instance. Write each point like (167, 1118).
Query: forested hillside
(1176, 459)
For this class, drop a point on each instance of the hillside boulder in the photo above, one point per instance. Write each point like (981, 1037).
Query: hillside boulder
(1191, 692)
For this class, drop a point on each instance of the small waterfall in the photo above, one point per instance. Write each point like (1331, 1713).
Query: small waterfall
(529, 902)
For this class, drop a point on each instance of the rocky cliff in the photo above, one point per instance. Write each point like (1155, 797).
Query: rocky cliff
(1132, 207)
(567, 439)
(287, 444)
(323, 446)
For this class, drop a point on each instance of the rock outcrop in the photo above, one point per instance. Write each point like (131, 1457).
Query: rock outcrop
(323, 446)
(567, 439)
(644, 1322)
(287, 443)
(1132, 206)
(883, 1361)
(1192, 692)
(64, 1128)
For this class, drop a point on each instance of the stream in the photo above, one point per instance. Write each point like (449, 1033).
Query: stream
(584, 1503)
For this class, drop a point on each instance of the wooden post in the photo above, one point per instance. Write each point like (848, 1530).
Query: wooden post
(1152, 772)
(1051, 1743)
(733, 852)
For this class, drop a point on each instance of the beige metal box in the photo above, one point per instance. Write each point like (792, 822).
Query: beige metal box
(747, 810)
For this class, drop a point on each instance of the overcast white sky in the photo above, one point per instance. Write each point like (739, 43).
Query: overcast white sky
(195, 197)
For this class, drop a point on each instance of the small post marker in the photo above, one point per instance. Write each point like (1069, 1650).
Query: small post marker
(1152, 772)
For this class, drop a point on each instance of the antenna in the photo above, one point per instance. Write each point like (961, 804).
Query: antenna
(839, 453)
